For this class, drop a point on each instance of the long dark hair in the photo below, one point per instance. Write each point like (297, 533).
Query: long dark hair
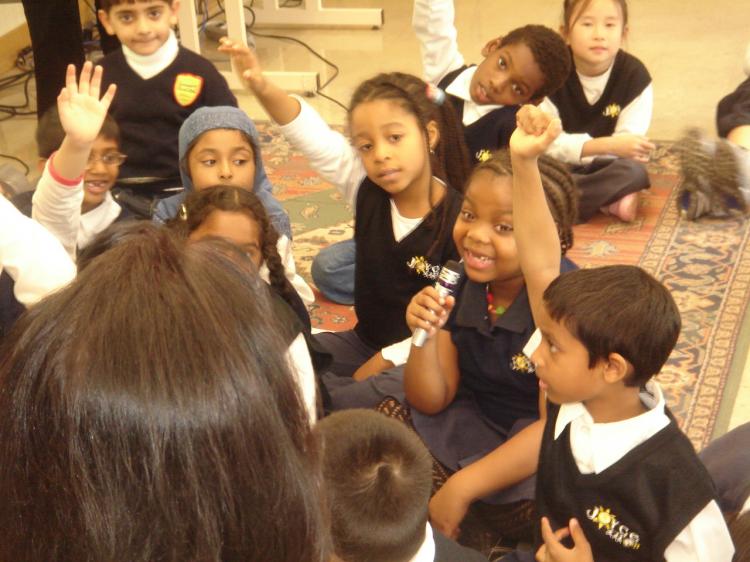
(147, 412)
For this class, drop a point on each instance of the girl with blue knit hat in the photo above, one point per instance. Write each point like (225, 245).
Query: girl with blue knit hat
(219, 146)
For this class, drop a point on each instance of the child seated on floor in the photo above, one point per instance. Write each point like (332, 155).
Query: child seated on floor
(72, 198)
(614, 471)
(377, 478)
(220, 146)
(525, 65)
(98, 209)
(161, 84)
(716, 174)
(605, 106)
(404, 169)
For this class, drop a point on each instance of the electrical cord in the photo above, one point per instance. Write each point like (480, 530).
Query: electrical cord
(25, 166)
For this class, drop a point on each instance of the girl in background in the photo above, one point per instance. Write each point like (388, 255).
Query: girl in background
(605, 107)
(402, 172)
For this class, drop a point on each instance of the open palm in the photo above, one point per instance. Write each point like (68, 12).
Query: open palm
(81, 110)
(244, 62)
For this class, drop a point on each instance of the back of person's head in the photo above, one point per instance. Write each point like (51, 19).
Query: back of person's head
(148, 413)
(550, 53)
(617, 309)
(559, 189)
(50, 132)
(378, 476)
(449, 159)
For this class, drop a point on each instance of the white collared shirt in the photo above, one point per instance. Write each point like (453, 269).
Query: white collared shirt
(148, 66)
(426, 552)
(597, 446)
(97, 220)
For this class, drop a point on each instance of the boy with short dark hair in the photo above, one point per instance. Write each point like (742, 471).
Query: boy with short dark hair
(615, 473)
(378, 477)
(160, 84)
(523, 66)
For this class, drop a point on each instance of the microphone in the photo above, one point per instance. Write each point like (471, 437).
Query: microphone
(450, 275)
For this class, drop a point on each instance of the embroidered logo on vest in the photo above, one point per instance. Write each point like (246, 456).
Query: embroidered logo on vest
(483, 155)
(612, 110)
(421, 266)
(187, 88)
(613, 528)
(521, 364)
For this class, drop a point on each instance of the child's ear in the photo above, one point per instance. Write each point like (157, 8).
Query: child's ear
(106, 24)
(433, 134)
(491, 45)
(625, 31)
(616, 368)
(174, 18)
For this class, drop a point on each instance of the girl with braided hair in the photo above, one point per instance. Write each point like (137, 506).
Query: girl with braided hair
(471, 386)
(237, 215)
(402, 171)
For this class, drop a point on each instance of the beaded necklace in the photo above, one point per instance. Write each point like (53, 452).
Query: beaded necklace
(495, 310)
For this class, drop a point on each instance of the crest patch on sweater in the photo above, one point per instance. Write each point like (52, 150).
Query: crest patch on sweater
(421, 266)
(187, 88)
(612, 110)
(608, 523)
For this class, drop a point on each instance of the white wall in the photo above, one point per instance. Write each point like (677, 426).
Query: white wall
(11, 16)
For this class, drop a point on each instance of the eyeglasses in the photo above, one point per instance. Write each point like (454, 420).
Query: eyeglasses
(108, 159)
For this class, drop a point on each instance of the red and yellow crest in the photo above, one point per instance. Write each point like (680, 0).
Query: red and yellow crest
(187, 88)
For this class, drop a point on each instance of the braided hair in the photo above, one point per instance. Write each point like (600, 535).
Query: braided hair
(559, 189)
(200, 204)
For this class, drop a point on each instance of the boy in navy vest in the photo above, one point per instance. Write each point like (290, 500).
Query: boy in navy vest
(616, 478)
(159, 85)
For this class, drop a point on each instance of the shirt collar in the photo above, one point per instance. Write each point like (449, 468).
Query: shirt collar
(606, 443)
(472, 311)
(147, 66)
(460, 87)
(426, 552)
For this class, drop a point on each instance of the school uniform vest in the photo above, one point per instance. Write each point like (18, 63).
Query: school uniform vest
(487, 134)
(389, 273)
(627, 81)
(635, 508)
(150, 111)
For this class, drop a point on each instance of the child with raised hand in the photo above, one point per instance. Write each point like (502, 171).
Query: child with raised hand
(59, 198)
(605, 107)
(402, 172)
(470, 387)
(608, 451)
(524, 66)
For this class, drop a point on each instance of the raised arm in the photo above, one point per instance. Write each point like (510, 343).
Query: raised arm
(328, 151)
(433, 24)
(57, 200)
(534, 228)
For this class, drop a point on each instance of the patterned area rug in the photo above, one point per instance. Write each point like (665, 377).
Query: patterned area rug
(706, 265)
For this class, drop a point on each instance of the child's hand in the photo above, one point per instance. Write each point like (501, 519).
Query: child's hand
(535, 131)
(81, 111)
(428, 310)
(244, 63)
(636, 147)
(373, 366)
(553, 550)
(448, 508)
